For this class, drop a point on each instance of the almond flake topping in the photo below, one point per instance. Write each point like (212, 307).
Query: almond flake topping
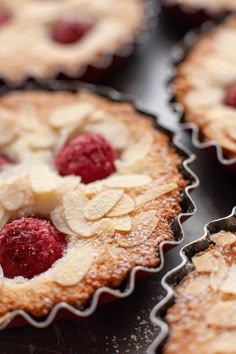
(58, 219)
(229, 284)
(222, 314)
(127, 181)
(102, 204)
(155, 192)
(13, 195)
(124, 206)
(208, 262)
(224, 238)
(42, 178)
(69, 114)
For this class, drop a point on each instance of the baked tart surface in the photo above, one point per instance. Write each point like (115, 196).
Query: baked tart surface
(202, 320)
(41, 38)
(88, 186)
(205, 85)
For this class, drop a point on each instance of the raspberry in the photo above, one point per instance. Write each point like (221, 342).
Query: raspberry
(89, 156)
(69, 31)
(29, 246)
(4, 16)
(3, 162)
(230, 97)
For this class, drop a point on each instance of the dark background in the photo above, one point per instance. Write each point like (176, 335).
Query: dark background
(124, 326)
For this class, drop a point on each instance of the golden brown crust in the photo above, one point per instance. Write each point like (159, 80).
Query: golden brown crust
(122, 250)
(27, 36)
(201, 84)
(202, 320)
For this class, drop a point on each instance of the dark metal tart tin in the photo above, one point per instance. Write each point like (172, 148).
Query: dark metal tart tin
(105, 65)
(176, 275)
(105, 294)
(187, 16)
(178, 54)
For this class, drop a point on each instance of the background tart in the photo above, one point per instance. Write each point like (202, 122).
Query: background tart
(202, 320)
(111, 224)
(41, 38)
(205, 86)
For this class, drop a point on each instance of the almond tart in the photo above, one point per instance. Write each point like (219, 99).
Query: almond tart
(205, 86)
(203, 318)
(40, 39)
(88, 190)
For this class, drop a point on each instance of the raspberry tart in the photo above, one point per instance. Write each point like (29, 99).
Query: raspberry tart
(52, 37)
(85, 196)
(202, 319)
(205, 86)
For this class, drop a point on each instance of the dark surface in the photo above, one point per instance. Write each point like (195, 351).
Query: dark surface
(124, 326)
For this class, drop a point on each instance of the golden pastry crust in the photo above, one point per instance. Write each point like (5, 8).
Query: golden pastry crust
(147, 177)
(202, 320)
(27, 35)
(201, 84)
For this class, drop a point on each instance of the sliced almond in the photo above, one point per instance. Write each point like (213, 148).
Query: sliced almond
(197, 285)
(133, 167)
(229, 284)
(42, 178)
(208, 262)
(127, 181)
(99, 206)
(5, 216)
(69, 114)
(155, 192)
(143, 225)
(224, 238)
(75, 265)
(124, 206)
(8, 126)
(222, 314)
(14, 195)
(59, 220)
(138, 150)
(122, 223)
(217, 278)
(224, 343)
(41, 139)
(114, 131)
(103, 227)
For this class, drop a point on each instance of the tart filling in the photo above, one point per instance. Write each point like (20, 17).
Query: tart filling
(203, 318)
(72, 33)
(105, 225)
(205, 86)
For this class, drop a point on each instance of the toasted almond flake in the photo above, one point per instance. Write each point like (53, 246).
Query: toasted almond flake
(75, 265)
(134, 167)
(229, 284)
(14, 195)
(102, 204)
(217, 278)
(143, 225)
(196, 286)
(5, 216)
(69, 114)
(74, 205)
(208, 262)
(59, 220)
(114, 131)
(122, 223)
(155, 192)
(8, 126)
(224, 343)
(138, 150)
(224, 238)
(124, 206)
(103, 227)
(42, 178)
(127, 181)
(41, 139)
(222, 314)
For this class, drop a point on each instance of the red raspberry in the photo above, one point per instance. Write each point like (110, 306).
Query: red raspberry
(230, 97)
(69, 31)
(3, 162)
(4, 16)
(29, 246)
(89, 156)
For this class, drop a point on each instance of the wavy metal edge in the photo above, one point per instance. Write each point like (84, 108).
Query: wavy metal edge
(178, 55)
(95, 71)
(186, 201)
(173, 277)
